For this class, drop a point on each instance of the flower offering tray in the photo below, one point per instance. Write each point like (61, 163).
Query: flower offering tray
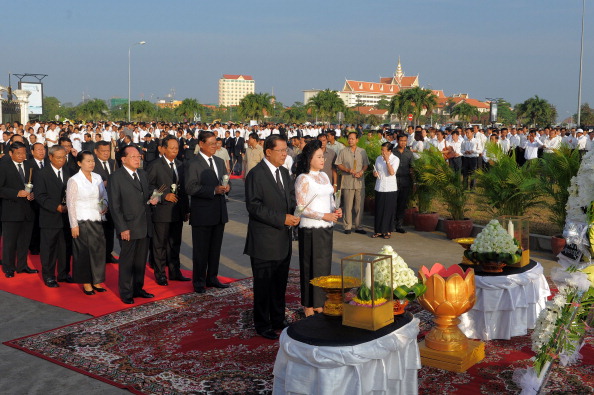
(507, 270)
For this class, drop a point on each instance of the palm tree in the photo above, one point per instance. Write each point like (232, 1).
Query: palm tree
(142, 110)
(400, 106)
(326, 104)
(94, 110)
(189, 108)
(253, 105)
(465, 111)
(537, 111)
(413, 101)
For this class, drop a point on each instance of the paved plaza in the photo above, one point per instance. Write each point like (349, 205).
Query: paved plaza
(21, 373)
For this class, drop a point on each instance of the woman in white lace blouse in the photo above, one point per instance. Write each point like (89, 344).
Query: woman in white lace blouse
(315, 229)
(86, 199)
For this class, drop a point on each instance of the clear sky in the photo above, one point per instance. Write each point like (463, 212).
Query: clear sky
(513, 49)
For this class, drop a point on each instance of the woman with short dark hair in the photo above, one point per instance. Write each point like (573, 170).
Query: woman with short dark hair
(386, 191)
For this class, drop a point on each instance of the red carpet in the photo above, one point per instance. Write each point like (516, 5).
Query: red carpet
(71, 297)
(206, 344)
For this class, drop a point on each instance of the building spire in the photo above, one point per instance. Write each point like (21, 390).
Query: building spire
(399, 73)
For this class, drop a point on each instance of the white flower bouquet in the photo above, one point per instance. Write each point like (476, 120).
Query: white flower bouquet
(494, 244)
(405, 283)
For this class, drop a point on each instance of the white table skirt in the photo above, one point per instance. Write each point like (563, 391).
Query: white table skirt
(506, 306)
(387, 365)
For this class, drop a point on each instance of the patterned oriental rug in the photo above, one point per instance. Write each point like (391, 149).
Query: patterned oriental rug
(206, 344)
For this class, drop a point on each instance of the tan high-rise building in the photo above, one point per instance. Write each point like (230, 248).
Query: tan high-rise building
(233, 88)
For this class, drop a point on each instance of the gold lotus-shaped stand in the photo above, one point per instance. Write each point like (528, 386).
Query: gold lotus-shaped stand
(450, 293)
(465, 242)
(332, 285)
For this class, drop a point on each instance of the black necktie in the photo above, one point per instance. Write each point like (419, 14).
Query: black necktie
(278, 180)
(137, 180)
(210, 164)
(41, 164)
(173, 172)
(60, 177)
(22, 172)
(105, 168)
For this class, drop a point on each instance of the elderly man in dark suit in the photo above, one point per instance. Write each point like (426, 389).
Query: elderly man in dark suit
(37, 162)
(208, 215)
(50, 193)
(170, 213)
(17, 210)
(128, 193)
(71, 153)
(238, 151)
(270, 202)
(104, 166)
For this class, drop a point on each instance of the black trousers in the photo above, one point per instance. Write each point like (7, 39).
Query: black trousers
(52, 251)
(166, 246)
(469, 166)
(35, 243)
(456, 163)
(89, 254)
(237, 164)
(132, 265)
(315, 260)
(404, 191)
(385, 211)
(108, 233)
(17, 236)
(207, 242)
(270, 286)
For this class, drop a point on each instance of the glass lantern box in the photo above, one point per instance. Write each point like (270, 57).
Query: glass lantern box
(367, 295)
(518, 228)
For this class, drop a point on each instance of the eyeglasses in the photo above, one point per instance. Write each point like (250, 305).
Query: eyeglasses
(281, 150)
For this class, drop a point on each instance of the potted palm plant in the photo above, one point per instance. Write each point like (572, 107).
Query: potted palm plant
(557, 170)
(425, 220)
(449, 187)
(507, 188)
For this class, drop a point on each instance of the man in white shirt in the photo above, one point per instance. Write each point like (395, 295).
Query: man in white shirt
(552, 143)
(504, 143)
(531, 146)
(51, 136)
(470, 153)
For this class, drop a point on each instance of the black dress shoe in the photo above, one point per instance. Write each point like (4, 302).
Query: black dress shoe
(161, 281)
(282, 325)
(99, 289)
(400, 230)
(179, 277)
(9, 274)
(34, 252)
(347, 232)
(128, 300)
(51, 283)
(360, 231)
(268, 334)
(217, 284)
(111, 259)
(200, 290)
(66, 280)
(143, 294)
(91, 292)
(28, 270)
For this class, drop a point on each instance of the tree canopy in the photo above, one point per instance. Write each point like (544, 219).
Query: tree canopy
(326, 104)
(536, 112)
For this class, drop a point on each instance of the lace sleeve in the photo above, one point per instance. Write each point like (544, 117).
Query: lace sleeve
(71, 198)
(301, 192)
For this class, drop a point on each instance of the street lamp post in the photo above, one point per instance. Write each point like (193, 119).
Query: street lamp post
(129, 85)
(579, 109)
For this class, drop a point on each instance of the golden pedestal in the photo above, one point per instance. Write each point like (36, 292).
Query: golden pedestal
(332, 285)
(454, 361)
(370, 318)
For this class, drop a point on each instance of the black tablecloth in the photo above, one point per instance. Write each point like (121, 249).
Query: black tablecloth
(323, 330)
(507, 270)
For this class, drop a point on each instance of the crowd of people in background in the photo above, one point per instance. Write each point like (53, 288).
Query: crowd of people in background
(68, 189)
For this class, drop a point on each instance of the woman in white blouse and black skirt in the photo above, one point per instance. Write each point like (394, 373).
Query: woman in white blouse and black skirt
(386, 192)
(315, 227)
(86, 200)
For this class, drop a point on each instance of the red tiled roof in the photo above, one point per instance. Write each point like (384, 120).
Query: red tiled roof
(438, 93)
(386, 80)
(367, 110)
(236, 77)
(407, 81)
(371, 87)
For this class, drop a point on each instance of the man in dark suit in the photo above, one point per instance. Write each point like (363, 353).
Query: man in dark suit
(149, 148)
(88, 144)
(270, 202)
(171, 212)
(71, 153)
(50, 193)
(190, 146)
(17, 210)
(37, 162)
(208, 214)
(229, 144)
(104, 166)
(128, 193)
(238, 150)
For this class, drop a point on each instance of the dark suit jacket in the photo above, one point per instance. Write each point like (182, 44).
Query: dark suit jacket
(151, 152)
(14, 208)
(33, 163)
(127, 203)
(159, 173)
(189, 152)
(49, 193)
(268, 238)
(88, 146)
(72, 165)
(239, 147)
(112, 164)
(206, 209)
